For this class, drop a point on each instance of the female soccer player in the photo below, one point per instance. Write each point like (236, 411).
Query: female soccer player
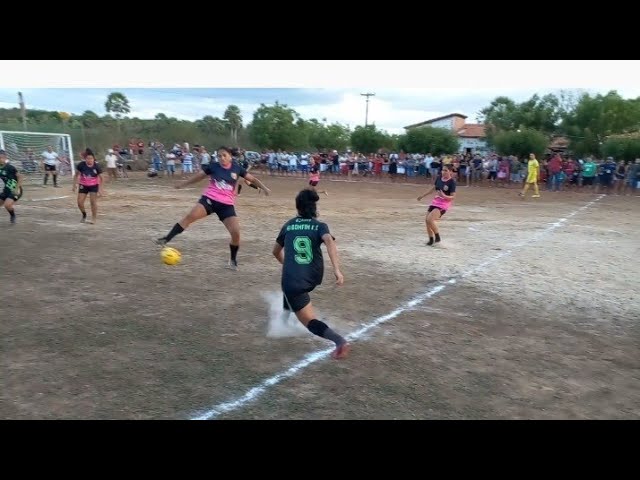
(298, 249)
(12, 190)
(219, 198)
(445, 188)
(533, 171)
(88, 177)
(314, 178)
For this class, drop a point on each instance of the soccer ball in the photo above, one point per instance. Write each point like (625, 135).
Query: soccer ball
(170, 256)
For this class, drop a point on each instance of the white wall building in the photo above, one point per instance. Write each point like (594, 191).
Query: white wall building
(471, 136)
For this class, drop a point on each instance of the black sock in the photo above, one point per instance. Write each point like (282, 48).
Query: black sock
(321, 329)
(12, 213)
(176, 230)
(234, 252)
(239, 189)
(253, 186)
(437, 237)
(84, 214)
(55, 179)
(46, 178)
(430, 242)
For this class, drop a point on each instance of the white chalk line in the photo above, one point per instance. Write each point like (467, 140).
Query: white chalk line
(46, 199)
(255, 392)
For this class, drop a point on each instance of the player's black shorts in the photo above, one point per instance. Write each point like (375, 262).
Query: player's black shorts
(8, 194)
(49, 168)
(223, 210)
(587, 180)
(313, 183)
(295, 302)
(88, 189)
(433, 207)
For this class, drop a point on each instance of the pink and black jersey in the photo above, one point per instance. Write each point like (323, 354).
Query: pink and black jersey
(315, 172)
(222, 181)
(448, 188)
(89, 174)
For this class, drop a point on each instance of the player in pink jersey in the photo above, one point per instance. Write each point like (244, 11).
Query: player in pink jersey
(88, 179)
(218, 197)
(445, 188)
(314, 177)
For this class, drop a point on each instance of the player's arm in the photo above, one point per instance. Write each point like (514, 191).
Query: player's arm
(257, 182)
(332, 250)
(278, 247)
(278, 252)
(19, 176)
(428, 192)
(100, 182)
(76, 178)
(448, 197)
(195, 179)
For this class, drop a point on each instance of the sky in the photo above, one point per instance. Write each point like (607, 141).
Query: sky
(336, 97)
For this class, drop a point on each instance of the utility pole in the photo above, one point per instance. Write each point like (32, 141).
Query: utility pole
(24, 112)
(366, 115)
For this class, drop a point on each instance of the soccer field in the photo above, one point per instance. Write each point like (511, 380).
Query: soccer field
(529, 310)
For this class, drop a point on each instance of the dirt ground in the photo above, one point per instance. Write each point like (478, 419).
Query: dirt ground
(542, 321)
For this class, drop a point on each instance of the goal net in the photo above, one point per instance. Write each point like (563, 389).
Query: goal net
(25, 149)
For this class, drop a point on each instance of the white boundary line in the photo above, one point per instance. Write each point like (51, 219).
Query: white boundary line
(48, 198)
(255, 392)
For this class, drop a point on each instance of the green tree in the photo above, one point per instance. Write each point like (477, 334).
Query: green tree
(369, 139)
(118, 104)
(597, 117)
(521, 143)
(537, 113)
(429, 139)
(275, 127)
(622, 148)
(234, 121)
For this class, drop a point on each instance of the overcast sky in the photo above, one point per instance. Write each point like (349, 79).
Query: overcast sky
(391, 108)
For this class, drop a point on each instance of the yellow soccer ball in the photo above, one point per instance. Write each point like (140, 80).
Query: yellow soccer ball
(170, 256)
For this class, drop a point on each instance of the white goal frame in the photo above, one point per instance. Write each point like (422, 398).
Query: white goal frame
(68, 146)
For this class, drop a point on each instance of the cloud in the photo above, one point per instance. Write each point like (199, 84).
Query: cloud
(390, 109)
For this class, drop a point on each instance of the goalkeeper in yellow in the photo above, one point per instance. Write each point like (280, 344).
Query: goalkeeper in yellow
(533, 172)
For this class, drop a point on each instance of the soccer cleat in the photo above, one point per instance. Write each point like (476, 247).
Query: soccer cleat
(535, 196)
(13, 220)
(341, 352)
(232, 265)
(326, 193)
(160, 241)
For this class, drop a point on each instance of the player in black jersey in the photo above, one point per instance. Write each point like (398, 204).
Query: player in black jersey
(12, 189)
(298, 249)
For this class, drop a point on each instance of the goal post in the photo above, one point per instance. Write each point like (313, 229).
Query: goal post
(24, 150)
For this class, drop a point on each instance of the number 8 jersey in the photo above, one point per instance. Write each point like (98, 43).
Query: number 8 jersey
(303, 266)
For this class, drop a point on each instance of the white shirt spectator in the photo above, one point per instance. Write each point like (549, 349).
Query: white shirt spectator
(111, 159)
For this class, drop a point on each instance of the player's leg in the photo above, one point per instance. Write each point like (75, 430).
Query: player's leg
(536, 192)
(232, 224)
(430, 232)
(301, 305)
(524, 190)
(93, 200)
(8, 205)
(82, 197)
(432, 218)
(198, 212)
